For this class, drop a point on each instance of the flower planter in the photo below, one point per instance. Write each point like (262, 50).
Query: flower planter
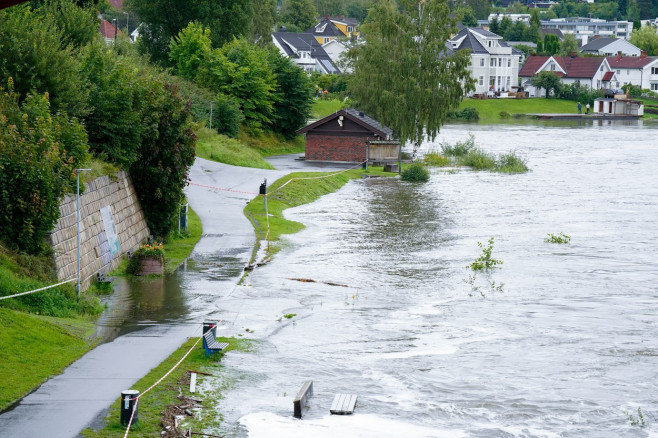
(148, 265)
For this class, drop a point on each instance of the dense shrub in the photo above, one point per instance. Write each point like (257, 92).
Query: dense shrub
(155, 250)
(434, 158)
(478, 160)
(416, 172)
(511, 163)
(36, 168)
(460, 148)
(468, 113)
(165, 156)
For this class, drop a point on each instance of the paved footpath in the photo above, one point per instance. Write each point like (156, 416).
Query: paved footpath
(80, 396)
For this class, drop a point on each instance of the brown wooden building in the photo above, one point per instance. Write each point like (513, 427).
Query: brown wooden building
(343, 136)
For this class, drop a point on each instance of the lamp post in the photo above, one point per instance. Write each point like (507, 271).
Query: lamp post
(77, 205)
(211, 102)
(114, 20)
(127, 30)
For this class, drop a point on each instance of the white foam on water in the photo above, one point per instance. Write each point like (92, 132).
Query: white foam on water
(267, 424)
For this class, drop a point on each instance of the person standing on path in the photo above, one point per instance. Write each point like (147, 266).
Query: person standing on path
(580, 108)
(587, 109)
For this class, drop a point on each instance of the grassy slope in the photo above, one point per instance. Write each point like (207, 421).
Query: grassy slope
(490, 109)
(153, 404)
(177, 248)
(223, 149)
(322, 108)
(296, 193)
(33, 348)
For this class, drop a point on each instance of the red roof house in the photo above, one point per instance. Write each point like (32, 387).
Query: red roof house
(641, 71)
(589, 72)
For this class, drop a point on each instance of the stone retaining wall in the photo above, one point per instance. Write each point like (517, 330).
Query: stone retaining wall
(100, 251)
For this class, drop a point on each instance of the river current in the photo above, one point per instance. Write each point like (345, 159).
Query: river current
(559, 340)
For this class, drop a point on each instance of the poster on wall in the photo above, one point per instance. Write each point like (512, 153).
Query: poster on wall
(110, 230)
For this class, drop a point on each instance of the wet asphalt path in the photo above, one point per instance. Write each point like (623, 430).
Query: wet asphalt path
(80, 397)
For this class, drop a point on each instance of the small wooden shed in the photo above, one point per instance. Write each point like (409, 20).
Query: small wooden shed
(343, 136)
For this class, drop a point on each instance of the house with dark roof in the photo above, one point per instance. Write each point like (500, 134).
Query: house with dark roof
(641, 71)
(610, 47)
(494, 64)
(333, 28)
(593, 73)
(305, 50)
(343, 136)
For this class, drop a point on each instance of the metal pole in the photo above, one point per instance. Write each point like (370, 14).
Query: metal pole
(211, 102)
(127, 31)
(115, 29)
(77, 205)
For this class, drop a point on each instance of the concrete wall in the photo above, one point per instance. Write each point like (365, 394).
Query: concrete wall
(335, 148)
(97, 251)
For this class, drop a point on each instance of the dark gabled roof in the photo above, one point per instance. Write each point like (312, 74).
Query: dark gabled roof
(471, 43)
(357, 117)
(325, 28)
(305, 42)
(597, 44)
(630, 61)
(345, 20)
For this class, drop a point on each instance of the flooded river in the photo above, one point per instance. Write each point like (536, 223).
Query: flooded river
(560, 340)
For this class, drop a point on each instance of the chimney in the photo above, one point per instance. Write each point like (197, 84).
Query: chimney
(573, 55)
(643, 54)
(282, 29)
(619, 56)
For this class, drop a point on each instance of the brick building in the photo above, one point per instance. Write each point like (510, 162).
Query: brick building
(342, 136)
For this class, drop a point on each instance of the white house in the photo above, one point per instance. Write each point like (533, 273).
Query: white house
(585, 29)
(641, 71)
(494, 64)
(594, 73)
(610, 47)
(305, 50)
(336, 51)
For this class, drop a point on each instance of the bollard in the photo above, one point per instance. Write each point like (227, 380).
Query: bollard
(210, 326)
(128, 400)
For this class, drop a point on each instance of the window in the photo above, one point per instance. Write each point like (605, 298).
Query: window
(552, 67)
(508, 82)
(509, 62)
(619, 72)
(326, 40)
(598, 83)
(481, 81)
(500, 62)
(492, 62)
(498, 81)
(617, 84)
(350, 29)
(481, 63)
(654, 87)
(654, 70)
(601, 68)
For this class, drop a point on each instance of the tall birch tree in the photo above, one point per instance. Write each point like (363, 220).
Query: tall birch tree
(404, 75)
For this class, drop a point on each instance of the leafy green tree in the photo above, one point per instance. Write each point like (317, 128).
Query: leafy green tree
(646, 39)
(237, 69)
(190, 49)
(294, 95)
(299, 13)
(164, 19)
(32, 52)
(356, 10)
(568, 45)
(494, 26)
(116, 99)
(164, 157)
(465, 15)
(78, 26)
(505, 23)
(546, 80)
(517, 8)
(480, 8)
(38, 155)
(263, 24)
(516, 31)
(403, 76)
(551, 44)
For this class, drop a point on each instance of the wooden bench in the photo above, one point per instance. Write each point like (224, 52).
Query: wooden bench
(343, 404)
(211, 345)
(301, 400)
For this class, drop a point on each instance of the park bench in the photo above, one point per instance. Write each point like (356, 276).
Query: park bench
(210, 343)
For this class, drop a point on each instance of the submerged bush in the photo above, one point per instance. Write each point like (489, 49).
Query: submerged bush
(511, 163)
(416, 172)
(478, 160)
(468, 113)
(434, 158)
(460, 148)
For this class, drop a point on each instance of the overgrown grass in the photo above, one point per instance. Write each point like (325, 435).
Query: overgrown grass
(98, 168)
(322, 108)
(33, 348)
(152, 405)
(465, 153)
(296, 193)
(179, 246)
(268, 144)
(223, 149)
(490, 110)
(560, 238)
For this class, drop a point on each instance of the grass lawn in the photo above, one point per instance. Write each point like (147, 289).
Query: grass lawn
(33, 348)
(322, 108)
(296, 193)
(490, 109)
(179, 246)
(153, 405)
(223, 149)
